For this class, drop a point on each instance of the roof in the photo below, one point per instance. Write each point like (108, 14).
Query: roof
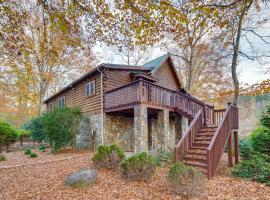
(151, 66)
(156, 63)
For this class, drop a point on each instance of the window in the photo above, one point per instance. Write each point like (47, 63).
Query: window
(90, 88)
(62, 102)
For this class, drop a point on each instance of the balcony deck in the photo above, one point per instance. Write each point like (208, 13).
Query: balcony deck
(153, 96)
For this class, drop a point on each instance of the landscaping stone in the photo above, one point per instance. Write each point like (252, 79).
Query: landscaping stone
(82, 178)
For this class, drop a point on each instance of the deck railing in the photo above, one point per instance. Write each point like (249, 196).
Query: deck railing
(186, 141)
(142, 91)
(219, 140)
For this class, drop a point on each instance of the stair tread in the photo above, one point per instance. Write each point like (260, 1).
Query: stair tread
(196, 163)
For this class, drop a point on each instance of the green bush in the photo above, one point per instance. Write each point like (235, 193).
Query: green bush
(186, 180)
(260, 140)
(33, 155)
(36, 127)
(139, 166)
(257, 169)
(108, 156)
(265, 118)
(164, 158)
(27, 151)
(2, 158)
(245, 149)
(42, 148)
(61, 126)
(23, 134)
(8, 134)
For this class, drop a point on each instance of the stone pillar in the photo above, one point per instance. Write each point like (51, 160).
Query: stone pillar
(140, 129)
(178, 128)
(164, 132)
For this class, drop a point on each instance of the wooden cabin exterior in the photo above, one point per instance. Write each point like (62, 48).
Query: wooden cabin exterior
(142, 108)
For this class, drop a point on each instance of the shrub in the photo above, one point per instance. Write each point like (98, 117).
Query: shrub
(139, 166)
(265, 118)
(61, 126)
(164, 158)
(42, 148)
(260, 140)
(245, 149)
(33, 155)
(2, 158)
(27, 151)
(23, 134)
(108, 156)
(8, 134)
(257, 169)
(36, 127)
(186, 180)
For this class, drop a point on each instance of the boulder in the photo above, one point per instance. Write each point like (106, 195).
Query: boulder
(82, 178)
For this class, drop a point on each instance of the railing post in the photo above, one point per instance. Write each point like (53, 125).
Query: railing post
(230, 162)
(204, 116)
(236, 152)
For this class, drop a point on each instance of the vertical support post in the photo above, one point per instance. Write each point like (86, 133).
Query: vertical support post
(236, 151)
(165, 142)
(230, 162)
(140, 129)
(204, 116)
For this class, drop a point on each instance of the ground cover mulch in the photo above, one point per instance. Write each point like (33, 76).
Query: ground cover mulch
(47, 181)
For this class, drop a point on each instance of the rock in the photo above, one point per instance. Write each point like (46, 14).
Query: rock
(82, 178)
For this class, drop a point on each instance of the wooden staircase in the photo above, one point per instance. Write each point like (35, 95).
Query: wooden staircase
(203, 143)
(197, 154)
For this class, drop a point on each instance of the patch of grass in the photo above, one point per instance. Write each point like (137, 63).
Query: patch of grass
(164, 158)
(42, 148)
(2, 158)
(27, 151)
(33, 155)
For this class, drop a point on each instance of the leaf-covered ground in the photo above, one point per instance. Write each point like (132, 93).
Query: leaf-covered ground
(47, 181)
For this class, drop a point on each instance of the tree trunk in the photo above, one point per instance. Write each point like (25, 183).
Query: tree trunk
(190, 70)
(236, 51)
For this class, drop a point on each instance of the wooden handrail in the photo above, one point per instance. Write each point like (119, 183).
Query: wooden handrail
(219, 140)
(185, 143)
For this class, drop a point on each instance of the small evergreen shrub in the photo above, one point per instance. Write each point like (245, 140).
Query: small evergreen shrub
(35, 126)
(186, 180)
(8, 134)
(2, 158)
(27, 151)
(265, 118)
(164, 158)
(23, 134)
(260, 140)
(33, 155)
(42, 148)
(245, 149)
(256, 169)
(60, 126)
(108, 156)
(139, 166)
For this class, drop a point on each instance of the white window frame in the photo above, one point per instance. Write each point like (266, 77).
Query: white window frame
(62, 102)
(90, 92)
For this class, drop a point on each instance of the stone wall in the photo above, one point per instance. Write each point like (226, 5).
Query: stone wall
(119, 130)
(90, 132)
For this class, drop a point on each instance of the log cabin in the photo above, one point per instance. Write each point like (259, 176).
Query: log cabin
(142, 109)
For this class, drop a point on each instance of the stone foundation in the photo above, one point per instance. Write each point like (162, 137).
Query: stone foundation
(90, 132)
(119, 130)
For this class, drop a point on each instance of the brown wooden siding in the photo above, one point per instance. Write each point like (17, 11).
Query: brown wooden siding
(76, 96)
(166, 77)
(116, 78)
